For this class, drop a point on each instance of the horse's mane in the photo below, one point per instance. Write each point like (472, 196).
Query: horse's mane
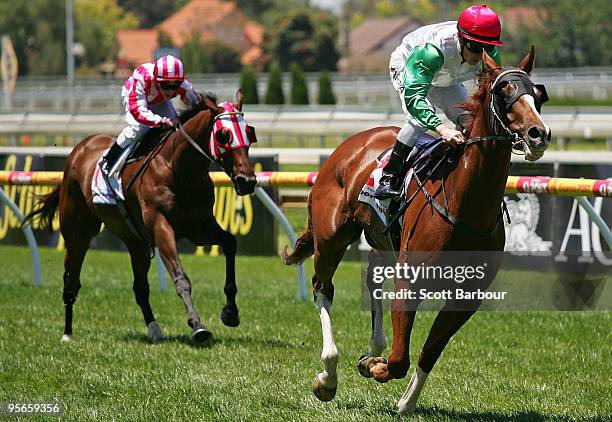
(155, 133)
(197, 107)
(477, 103)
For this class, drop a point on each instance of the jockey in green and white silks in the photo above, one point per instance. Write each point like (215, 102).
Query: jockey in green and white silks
(427, 70)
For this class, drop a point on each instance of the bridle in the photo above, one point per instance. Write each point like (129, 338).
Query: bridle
(500, 105)
(236, 179)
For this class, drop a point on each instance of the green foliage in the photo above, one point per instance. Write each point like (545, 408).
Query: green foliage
(305, 37)
(163, 39)
(299, 86)
(222, 57)
(38, 31)
(326, 93)
(274, 93)
(214, 56)
(151, 12)
(248, 83)
(193, 56)
(96, 22)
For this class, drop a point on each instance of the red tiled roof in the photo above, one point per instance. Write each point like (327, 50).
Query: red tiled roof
(136, 46)
(206, 17)
(372, 33)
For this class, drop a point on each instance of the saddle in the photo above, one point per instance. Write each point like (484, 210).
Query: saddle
(422, 163)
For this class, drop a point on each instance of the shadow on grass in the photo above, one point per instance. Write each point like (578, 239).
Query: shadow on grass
(523, 416)
(184, 339)
(227, 341)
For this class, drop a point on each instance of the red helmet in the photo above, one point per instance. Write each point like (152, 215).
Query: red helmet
(480, 24)
(169, 68)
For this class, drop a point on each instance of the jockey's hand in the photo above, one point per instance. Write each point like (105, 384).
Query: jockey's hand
(451, 136)
(173, 122)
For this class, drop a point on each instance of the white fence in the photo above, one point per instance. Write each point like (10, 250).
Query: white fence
(565, 122)
(54, 94)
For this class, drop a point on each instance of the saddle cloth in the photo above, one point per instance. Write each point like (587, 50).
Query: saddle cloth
(423, 150)
(102, 192)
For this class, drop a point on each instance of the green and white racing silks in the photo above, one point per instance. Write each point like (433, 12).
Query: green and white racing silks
(431, 55)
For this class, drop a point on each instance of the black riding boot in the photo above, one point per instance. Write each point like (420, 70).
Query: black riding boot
(109, 159)
(389, 182)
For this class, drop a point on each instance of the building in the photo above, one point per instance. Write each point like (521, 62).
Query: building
(211, 19)
(370, 44)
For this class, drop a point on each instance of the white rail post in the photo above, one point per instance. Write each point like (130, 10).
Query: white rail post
(278, 214)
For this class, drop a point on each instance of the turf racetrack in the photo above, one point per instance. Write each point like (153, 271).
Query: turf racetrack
(500, 366)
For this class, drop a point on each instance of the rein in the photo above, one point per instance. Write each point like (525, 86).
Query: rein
(443, 211)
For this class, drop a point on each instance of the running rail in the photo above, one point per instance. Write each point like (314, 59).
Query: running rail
(541, 185)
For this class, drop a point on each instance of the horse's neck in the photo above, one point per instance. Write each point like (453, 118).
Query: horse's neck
(186, 161)
(479, 180)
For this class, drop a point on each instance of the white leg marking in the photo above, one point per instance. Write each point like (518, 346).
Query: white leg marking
(66, 338)
(407, 404)
(329, 355)
(155, 333)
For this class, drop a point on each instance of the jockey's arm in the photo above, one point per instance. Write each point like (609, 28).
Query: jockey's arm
(188, 95)
(138, 105)
(420, 69)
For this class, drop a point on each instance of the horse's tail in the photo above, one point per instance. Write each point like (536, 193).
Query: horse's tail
(50, 203)
(304, 247)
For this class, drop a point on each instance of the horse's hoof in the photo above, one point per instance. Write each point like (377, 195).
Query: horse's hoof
(230, 316)
(365, 362)
(321, 392)
(201, 334)
(155, 333)
(66, 338)
(405, 408)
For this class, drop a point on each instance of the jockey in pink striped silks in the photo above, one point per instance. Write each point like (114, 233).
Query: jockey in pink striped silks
(147, 96)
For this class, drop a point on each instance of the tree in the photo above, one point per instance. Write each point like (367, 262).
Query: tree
(274, 94)
(38, 31)
(193, 56)
(305, 37)
(299, 86)
(96, 22)
(163, 39)
(151, 12)
(326, 93)
(248, 83)
(222, 57)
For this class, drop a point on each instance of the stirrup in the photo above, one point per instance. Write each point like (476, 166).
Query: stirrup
(386, 191)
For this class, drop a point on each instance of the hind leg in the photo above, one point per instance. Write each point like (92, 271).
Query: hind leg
(78, 226)
(378, 340)
(139, 255)
(327, 256)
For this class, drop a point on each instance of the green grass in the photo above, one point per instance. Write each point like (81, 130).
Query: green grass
(500, 366)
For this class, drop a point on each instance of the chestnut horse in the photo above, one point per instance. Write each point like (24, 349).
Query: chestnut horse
(172, 198)
(474, 188)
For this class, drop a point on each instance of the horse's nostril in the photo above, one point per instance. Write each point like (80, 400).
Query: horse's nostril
(535, 132)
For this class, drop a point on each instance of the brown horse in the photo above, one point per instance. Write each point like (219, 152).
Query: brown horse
(474, 188)
(172, 198)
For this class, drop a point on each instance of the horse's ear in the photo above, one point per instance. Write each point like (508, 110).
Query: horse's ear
(527, 62)
(239, 99)
(488, 62)
(211, 105)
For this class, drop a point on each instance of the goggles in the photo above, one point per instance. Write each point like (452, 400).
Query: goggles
(173, 85)
(476, 47)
